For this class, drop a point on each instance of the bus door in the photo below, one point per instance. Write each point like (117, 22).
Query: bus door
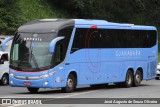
(58, 59)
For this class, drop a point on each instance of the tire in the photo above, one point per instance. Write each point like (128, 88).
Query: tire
(70, 85)
(32, 90)
(137, 79)
(156, 78)
(4, 80)
(129, 79)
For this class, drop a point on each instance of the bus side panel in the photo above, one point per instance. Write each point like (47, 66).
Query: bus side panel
(110, 72)
(58, 79)
(71, 67)
(86, 74)
(88, 64)
(151, 66)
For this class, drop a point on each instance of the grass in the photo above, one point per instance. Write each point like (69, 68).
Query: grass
(39, 9)
(158, 57)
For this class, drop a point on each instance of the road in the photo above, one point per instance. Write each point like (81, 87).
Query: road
(148, 89)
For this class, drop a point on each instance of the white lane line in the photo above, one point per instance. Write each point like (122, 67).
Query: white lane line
(16, 105)
(155, 83)
(75, 94)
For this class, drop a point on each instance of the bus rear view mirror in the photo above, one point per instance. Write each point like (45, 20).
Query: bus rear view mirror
(53, 43)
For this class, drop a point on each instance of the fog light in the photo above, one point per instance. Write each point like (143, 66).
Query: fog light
(45, 83)
(11, 82)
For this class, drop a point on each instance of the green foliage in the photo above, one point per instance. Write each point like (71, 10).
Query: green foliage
(8, 18)
(129, 11)
(142, 12)
(38, 9)
(14, 13)
(158, 57)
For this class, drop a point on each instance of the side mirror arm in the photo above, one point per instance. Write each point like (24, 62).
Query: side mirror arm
(4, 43)
(53, 43)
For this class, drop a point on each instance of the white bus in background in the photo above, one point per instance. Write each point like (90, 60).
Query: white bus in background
(4, 62)
(4, 68)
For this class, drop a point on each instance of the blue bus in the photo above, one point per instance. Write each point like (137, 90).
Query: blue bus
(65, 53)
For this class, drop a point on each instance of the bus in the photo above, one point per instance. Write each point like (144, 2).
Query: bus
(66, 53)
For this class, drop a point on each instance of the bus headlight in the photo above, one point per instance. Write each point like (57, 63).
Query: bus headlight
(44, 76)
(12, 75)
(47, 75)
(50, 74)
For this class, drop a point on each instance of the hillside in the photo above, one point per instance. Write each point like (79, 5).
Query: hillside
(14, 13)
(35, 9)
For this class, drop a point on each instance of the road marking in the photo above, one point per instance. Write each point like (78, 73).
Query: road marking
(155, 83)
(75, 94)
(15, 105)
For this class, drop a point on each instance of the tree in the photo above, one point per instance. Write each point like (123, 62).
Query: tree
(9, 18)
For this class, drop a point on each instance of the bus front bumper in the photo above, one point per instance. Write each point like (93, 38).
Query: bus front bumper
(41, 83)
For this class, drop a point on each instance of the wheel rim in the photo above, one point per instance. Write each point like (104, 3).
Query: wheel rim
(138, 78)
(5, 80)
(70, 83)
(129, 79)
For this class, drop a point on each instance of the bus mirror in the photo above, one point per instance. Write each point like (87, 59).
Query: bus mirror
(4, 43)
(53, 43)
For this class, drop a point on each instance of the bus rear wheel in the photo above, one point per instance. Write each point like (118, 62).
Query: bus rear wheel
(70, 85)
(129, 79)
(32, 90)
(137, 79)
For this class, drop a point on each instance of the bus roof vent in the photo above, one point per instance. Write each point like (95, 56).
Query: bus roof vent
(48, 19)
(128, 24)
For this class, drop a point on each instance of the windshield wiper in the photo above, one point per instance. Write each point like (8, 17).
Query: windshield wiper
(34, 60)
(32, 56)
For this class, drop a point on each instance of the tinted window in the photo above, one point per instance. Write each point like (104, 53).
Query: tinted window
(66, 32)
(61, 46)
(113, 38)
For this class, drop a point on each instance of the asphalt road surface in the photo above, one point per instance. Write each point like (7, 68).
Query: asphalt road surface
(148, 89)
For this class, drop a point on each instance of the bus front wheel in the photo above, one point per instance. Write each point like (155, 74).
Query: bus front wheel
(32, 90)
(129, 79)
(70, 85)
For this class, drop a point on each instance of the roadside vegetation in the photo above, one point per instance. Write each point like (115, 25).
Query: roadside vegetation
(14, 13)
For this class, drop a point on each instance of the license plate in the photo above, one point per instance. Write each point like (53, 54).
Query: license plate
(27, 83)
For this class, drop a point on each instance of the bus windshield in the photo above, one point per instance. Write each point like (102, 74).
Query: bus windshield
(30, 52)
